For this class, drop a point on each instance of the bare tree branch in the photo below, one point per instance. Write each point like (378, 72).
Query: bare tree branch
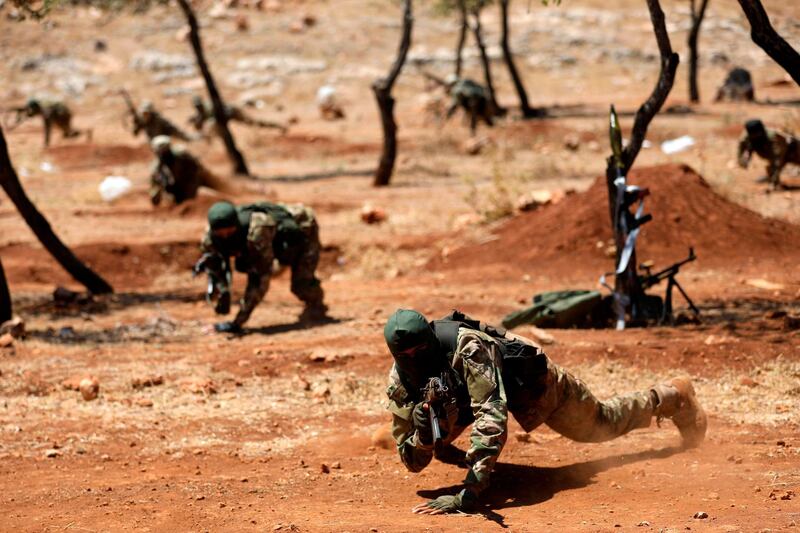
(5, 297)
(382, 87)
(694, 33)
(765, 36)
(666, 78)
(220, 117)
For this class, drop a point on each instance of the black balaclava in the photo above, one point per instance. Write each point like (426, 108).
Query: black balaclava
(757, 134)
(414, 347)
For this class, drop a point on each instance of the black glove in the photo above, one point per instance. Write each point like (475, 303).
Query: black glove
(223, 306)
(422, 423)
(465, 502)
(227, 327)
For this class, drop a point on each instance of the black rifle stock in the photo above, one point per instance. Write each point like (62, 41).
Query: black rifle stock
(435, 395)
(219, 278)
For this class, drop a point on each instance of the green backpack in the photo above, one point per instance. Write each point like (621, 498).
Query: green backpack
(289, 238)
(556, 309)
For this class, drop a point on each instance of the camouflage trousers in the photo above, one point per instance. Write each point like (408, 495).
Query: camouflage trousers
(568, 407)
(305, 284)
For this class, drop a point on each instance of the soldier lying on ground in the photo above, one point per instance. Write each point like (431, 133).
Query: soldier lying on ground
(254, 235)
(738, 87)
(204, 113)
(178, 173)
(776, 147)
(481, 373)
(472, 98)
(153, 123)
(53, 113)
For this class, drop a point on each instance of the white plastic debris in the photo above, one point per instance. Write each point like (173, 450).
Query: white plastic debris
(326, 96)
(680, 144)
(47, 166)
(114, 187)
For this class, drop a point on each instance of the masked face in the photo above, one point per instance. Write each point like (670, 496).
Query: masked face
(414, 347)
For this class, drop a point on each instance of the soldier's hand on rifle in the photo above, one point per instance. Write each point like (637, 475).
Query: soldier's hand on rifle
(463, 502)
(422, 423)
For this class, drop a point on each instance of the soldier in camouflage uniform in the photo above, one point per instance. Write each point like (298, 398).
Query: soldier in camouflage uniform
(153, 124)
(53, 114)
(473, 98)
(486, 384)
(738, 87)
(776, 147)
(255, 235)
(177, 172)
(204, 113)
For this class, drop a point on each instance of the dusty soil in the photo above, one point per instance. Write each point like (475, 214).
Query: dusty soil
(273, 430)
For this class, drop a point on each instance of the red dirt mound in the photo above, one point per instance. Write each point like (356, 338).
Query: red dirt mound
(686, 212)
(125, 266)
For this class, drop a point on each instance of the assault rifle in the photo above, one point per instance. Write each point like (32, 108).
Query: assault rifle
(440, 400)
(19, 113)
(649, 279)
(219, 279)
(137, 120)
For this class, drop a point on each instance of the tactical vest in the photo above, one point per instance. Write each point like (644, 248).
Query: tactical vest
(524, 366)
(289, 240)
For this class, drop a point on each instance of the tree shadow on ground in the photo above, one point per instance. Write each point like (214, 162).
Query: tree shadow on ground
(100, 305)
(515, 485)
(315, 176)
(274, 329)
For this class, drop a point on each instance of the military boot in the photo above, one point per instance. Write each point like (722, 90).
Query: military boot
(676, 400)
(314, 313)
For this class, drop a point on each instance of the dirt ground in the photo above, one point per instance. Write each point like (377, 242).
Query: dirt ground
(274, 430)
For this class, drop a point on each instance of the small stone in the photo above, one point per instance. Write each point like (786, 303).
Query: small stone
(147, 381)
(90, 388)
(372, 215)
(63, 296)
(72, 383)
(522, 436)
(6, 340)
(336, 465)
(700, 515)
(747, 381)
(475, 145)
(643, 523)
(144, 402)
(572, 142)
(325, 469)
(15, 327)
(52, 453)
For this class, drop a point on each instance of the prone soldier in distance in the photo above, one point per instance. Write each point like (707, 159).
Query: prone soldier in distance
(178, 173)
(738, 87)
(204, 114)
(776, 147)
(255, 235)
(471, 373)
(149, 120)
(53, 113)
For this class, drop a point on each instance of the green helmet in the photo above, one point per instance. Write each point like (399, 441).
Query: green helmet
(415, 349)
(223, 215)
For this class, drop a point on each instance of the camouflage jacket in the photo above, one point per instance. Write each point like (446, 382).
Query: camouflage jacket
(179, 175)
(466, 89)
(157, 125)
(478, 364)
(775, 151)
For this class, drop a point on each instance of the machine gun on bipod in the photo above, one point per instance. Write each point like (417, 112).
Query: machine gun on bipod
(650, 279)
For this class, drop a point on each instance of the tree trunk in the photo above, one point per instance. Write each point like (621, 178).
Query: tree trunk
(527, 112)
(382, 87)
(5, 297)
(462, 38)
(220, 117)
(627, 283)
(39, 225)
(765, 36)
(487, 69)
(694, 32)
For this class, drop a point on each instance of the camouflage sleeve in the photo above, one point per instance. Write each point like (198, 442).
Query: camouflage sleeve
(414, 455)
(156, 184)
(478, 360)
(259, 268)
(744, 151)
